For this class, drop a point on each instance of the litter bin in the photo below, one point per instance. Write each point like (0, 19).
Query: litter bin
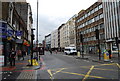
(78, 54)
(106, 56)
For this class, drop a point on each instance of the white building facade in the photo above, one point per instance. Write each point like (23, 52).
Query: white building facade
(48, 42)
(54, 39)
(111, 10)
(29, 22)
(72, 31)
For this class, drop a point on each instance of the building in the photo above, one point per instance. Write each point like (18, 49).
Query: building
(54, 40)
(48, 42)
(87, 21)
(112, 23)
(13, 27)
(64, 36)
(72, 32)
(59, 39)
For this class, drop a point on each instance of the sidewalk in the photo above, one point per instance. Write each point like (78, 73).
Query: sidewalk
(95, 58)
(20, 71)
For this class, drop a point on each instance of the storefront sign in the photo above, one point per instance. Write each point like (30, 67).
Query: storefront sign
(19, 41)
(18, 33)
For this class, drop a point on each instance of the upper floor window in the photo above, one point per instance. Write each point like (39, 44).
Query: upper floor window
(96, 9)
(101, 16)
(100, 6)
(88, 13)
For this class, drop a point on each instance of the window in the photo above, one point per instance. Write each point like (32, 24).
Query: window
(100, 6)
(88, 13)
(101, 16)
(96, 18)
(96, 9)
(85, 15)
(93, 20)
(92, 11)
(101, 26)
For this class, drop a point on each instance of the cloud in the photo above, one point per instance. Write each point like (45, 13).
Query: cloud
(53, 13)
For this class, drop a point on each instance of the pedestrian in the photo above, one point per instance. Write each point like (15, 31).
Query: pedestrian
(110, 55)
(19, 54)
(50, 51)
(56, 51)
(12, 57)
(23, 54)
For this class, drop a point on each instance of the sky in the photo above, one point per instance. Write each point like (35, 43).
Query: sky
(53, 13)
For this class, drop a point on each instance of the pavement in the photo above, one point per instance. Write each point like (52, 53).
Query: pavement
(95, 58)
(22, 70)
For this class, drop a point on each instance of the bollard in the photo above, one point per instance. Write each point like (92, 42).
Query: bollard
(78, 54)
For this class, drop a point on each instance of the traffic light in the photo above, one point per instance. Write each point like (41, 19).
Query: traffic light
(81, 37)
(97, 33)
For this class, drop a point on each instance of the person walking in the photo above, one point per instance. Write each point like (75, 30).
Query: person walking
(50, 51)
(110, 55)
(56, 51)
(12, 57)
(19, 54)
(23, 54)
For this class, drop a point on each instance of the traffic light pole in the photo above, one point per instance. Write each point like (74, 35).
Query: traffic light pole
(97, 37)
(99, 49)
(32, 38)
(82, 50)
(81, 39)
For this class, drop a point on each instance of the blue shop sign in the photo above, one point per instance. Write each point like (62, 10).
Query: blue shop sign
(3, 30)
(10, 32)
(18, 33)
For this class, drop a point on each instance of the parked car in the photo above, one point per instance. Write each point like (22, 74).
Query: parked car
(70, 50)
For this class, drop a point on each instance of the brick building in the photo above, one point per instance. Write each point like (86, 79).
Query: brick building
(87, 21)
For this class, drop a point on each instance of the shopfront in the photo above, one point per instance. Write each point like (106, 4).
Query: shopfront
(6, 42)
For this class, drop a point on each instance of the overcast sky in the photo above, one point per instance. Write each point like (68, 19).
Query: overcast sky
(53, 13)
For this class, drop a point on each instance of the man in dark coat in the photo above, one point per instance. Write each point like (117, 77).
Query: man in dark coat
(12, 57)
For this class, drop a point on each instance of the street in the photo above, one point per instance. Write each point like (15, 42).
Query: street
(61, 66)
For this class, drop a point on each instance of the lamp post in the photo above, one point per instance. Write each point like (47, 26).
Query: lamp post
(37, 32)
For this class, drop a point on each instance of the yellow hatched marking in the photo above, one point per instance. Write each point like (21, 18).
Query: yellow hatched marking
(105, 64)
(82, 75)
(101, 69)
(59, 71)
(87, 75)
(50, 73)
(118, 65)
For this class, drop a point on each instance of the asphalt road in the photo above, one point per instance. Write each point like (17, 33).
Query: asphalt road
(67, 67)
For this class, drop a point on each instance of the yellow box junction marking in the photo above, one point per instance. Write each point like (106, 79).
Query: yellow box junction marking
(87, 75)
(58, 71)
(50, 73)
(118, 65)
(105, 64)
(82, 75)
(100, 69)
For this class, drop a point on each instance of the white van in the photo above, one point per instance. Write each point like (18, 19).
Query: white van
(70, 50)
